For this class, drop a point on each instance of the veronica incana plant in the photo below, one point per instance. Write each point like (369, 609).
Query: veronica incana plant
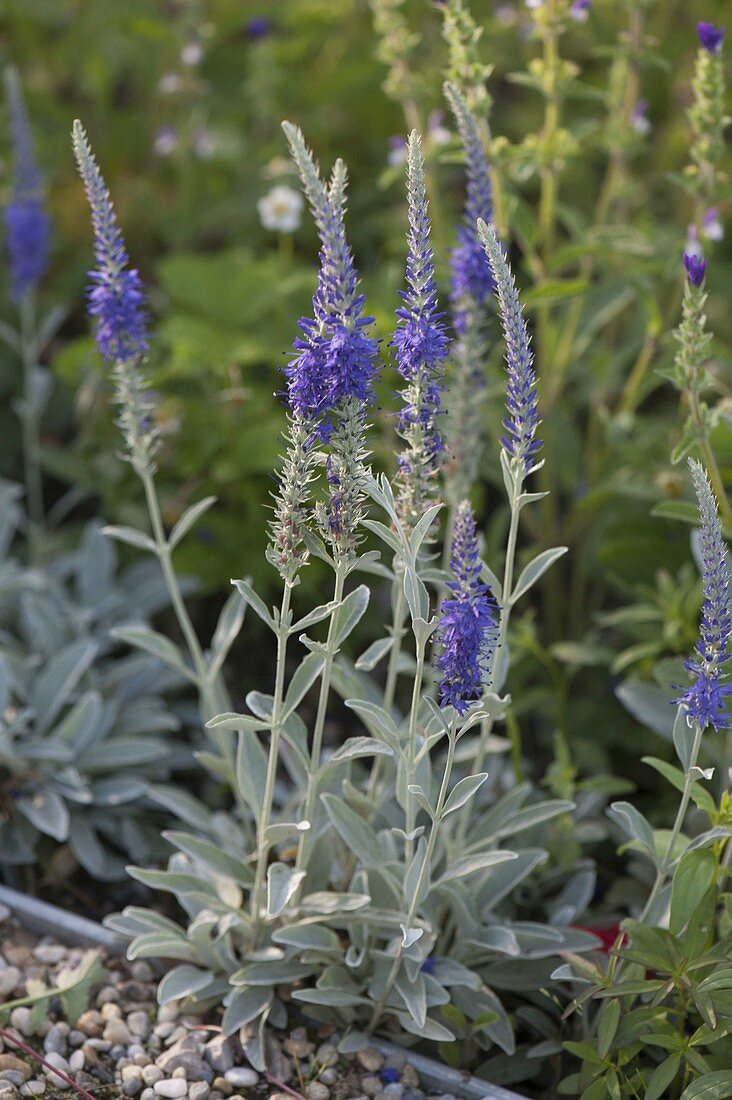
(376, 882)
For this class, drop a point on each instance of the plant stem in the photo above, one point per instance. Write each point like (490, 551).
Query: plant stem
(710, 460)
(397, 630)
(411, 748)
(303, 850)
(663, 869)
(208, 705)
(283, 633)
(416, 896)
(29, 424)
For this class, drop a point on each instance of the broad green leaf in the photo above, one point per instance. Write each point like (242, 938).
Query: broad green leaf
(282, 884)
(355, 833)
(634, 824)
(131, 537)
(472, 864)
(257, 605)
(157, 645)
(182, 981)
(536, 569)
(47, 811)
(607, 1026)
(662, 1077)
(356, 747)
(188, 519)
(693, 876)
(350, 613)
(375, 653)
(463, 791)
(212, 855)
(243, 1006)
(60, 677)
(236, 722)
(711, 1086)
(302, 680)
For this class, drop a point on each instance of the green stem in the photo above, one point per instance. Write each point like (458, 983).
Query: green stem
(710, 460)
(423, 871)
(663, 869)
(208, 706)
(283, 633)
(303, 850)
(397, 631)
(29, 425)
(412, 749)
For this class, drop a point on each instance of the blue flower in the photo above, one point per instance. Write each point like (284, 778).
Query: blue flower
(389, 1075)
(696, 268)
(579, 10)
(522, 421)
(472, 283)
(711, 38)
(259, 26)
(705, 699)
(467, 621)
(421, 345)
(26, 219)
(336, 358)
(115, 296)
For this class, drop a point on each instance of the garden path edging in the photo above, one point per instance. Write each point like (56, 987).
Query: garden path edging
(40, 916)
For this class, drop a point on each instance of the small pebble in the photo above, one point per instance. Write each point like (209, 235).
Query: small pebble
(148, 1094)
(167, 1012)
(371, 1085)
(142, 971)
(152, 1074)
(10, 978)
(13, 1077)
(116, 1031)
(33, 1088)
(4, 913)
(76, 1038)
(50, 953)
(76, 1061)
(393, 1091)
(8, 1091)
(317, 1091)
(138, 1024)
(172, 1088)
(106, 995)
(111, 1011)
(410, 1077)
(371, 1059)
(20, 1017)
(242, 1077)
(58, 1062)
(90, 1023)
(199, 1090)
(10, 1063)
(222, 1086)
(133, 1085)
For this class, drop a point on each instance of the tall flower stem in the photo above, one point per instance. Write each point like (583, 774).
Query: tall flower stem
(412, 748)
(283, 633)
(423, 871)
(392, 671)
(667, 860)
(303, 850)
(207, 691)
(710, 460)
(29, 423)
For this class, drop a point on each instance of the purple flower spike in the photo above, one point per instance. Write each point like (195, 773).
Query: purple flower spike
(705, 699)
(335, 358)
(421, 346)
(472, 283)
(27, 222)
(115, 296)
(696, 268)
(259, 26)
(579, 10)
(467, 621)
(711, 38)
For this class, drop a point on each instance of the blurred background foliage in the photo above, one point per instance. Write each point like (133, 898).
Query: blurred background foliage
(182, 102)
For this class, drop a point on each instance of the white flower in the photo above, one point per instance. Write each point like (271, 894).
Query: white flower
(166, 141)
(693, 247)
(170, 83)
(192, 54)
(281, 209)
(713, 226)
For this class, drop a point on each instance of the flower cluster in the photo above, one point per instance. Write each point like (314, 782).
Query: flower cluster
(336, 358)
(696, 268)
(467, 621)
(705, 699)
(711, 38)
(26, 219)
(522, 421)
(472, 284)
(115, 297)
(420, 344)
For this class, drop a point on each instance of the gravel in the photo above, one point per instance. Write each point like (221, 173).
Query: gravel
(126, 1046)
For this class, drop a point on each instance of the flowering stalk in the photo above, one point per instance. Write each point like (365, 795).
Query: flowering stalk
(330, 385)
(465, 634)
(519, 456)
(116, 302)
(471, 290)
(707, 118)
(703, 703)
(28, 233)
(691, 378)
